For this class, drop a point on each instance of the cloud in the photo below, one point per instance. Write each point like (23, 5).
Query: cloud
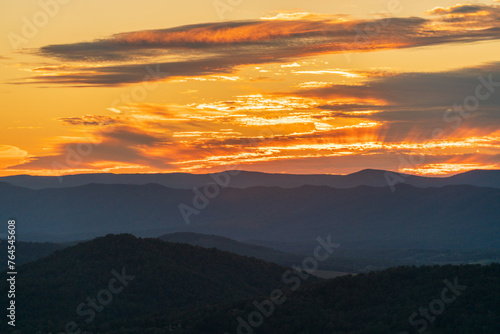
(468, 15)
(324, 125)
(129, 135)
(381, 117)
(213, 37)
(271, 130)
(220, 48)
(11, 155)
(11, 152)
(135, 73)
(416, 90)
(89, 120)
(410, 106)
(104, 148)
(458, 9)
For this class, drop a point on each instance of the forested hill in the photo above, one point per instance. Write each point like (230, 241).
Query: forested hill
(150, 277)
(397, 301)
(123, 284)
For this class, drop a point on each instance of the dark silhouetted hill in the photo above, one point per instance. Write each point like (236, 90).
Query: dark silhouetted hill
(397, 300)
(160, 279)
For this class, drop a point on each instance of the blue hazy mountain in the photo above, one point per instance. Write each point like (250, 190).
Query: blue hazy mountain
(244, 179)
(450, 217)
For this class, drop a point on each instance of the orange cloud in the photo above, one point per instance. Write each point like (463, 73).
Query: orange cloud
(247, 131)
(220, 48)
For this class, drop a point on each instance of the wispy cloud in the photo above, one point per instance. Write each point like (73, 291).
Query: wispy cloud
(121, 146)
(331, 118)
(309, 124)
(220, 48)
(441, 89)
(12, 152)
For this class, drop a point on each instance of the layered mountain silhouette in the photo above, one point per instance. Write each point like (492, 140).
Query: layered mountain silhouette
(28, 251)
(344, 259)
(122, 284)
(245, 179)
(343, 262)
(450, 217)
(230, 245)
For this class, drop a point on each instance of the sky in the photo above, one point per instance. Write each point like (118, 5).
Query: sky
(305, 87)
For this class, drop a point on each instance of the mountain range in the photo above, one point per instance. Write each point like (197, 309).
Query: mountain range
(342, 261)
(245, 179)
(450, 217)
(127, 285)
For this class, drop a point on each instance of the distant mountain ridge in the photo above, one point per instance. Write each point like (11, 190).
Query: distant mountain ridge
(269, 254)
(28, 252)
(450, 217)
(245, 179)
(227, 245)
(342, 260)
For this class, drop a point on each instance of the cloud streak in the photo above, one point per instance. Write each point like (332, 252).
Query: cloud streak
(323, 125)
(441, 89)
(220, 48)
(329, 119)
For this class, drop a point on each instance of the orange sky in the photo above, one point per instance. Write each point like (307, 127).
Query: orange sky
(273, 86)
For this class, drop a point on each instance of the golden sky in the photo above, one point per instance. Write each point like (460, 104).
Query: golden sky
(276, 86)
